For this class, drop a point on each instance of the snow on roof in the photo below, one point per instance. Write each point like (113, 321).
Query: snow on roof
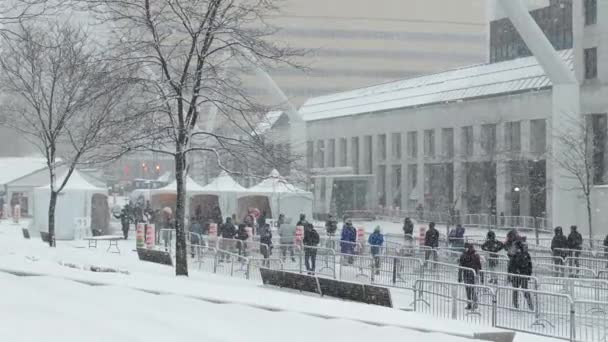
(223, 182)
(523, 74)
(267, 122)
(275, 183)
(15, 168)
(191, 186)
(77, 181)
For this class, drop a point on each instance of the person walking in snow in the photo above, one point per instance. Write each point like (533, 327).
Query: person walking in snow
(266, 243)
(575, 242)
(287, 234)
(348, 240)
(492, 246)
(431, 240)
(376, 240)
(470, 260)
(520, 267)
(242, 236)
(559, 246)
(310, 241)
(125, 222)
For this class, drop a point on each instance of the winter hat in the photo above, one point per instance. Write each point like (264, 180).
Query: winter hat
(491, 235)
(377, 229)
(468, 245)
(558, 229)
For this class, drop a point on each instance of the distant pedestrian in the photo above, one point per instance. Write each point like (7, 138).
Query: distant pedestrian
(431, 240)
(266, 243)
(376, 240)
(469, 259)
(302, 222)
(348, 240)
(331, 226)
(310, 241)
(492, 246)
(559, 249)
(456, 237)
(520, 268)
(125, 222)
(408, 229)
(575, 243)
(287, 232)
(242, 236)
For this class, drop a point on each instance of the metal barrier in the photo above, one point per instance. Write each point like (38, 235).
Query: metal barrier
(449, 300)
(577, 288)
(444, 272)
(505, 279)
(549, 270)
(591, 318)
(396, 271)
(591, 263)
(355, 267)
(602, 275)
(547, 314)
(231, 264)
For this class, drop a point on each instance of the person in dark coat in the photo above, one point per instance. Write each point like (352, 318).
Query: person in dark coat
(606, 248)
(266, 243)
(261, 221)
(408, 229)
(456, 237)
(376, 240)
(431, 239)
(559, 244)
(310, 241)
(512, 237)
(227, 232)
(469, 259)
(125, 221)
(520, 268)
(331, 226)
(575, 242)
(302, 222)
(242, 236)
(492, 246)
(348, 240)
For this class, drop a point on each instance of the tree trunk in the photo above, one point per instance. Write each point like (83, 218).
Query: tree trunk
(181, 253)
(589, 219)
(51, 223)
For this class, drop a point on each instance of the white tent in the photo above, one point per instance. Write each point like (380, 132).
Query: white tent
(165, 196)
(226, 191)
(78, 199)
(283, 198)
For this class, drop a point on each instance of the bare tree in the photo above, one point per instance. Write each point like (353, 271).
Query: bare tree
(65, 98)
(575, 157)
(192, 53)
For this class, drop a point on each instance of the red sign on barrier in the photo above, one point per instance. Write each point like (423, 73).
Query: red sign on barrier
(421, 234)
(213, 230)
(361, 235)
(139, 235)
(150, 236)
(299, 234)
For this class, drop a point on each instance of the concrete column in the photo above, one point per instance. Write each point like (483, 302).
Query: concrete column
(389, 184)
(501, 171)
(578, 33)
(524, 195)
(477, 151)
(374, 169)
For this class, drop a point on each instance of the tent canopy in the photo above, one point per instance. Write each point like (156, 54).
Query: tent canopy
(192, 187)
(76, 200)
(284, 198)
(223, 183)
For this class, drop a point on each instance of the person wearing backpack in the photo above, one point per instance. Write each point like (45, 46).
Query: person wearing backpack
(492, 246)
(376, 240)
(311, 240)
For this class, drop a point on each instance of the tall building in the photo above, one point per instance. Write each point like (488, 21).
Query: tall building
(476, 139)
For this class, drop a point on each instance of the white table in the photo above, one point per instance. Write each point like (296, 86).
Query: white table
(112, 239)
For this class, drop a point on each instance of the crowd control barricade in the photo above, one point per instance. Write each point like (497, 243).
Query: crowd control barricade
(449, 300)
(591, 321)
(576, 288)
(444, 272)
(590, 263)
(505, 279)
(396, 271)
(549, 270)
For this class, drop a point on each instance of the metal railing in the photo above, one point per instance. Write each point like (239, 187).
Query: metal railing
(591, 320)
(552, 270)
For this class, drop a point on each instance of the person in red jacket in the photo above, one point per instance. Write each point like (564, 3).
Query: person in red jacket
(469, 259)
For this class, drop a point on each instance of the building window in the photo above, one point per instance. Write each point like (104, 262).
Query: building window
(382, 185)
(412, 144)
(382, 147)
(396, 146)
(309, 154)
(396, 185)
(590, 63)
(467, 141)
(538, 136)
(355, 154)
(599, 127)
(447, 142)
(590, 12)
(343, 152)
(513, 136)
(331, 161)
(369, 154)
(429, 143)
(412, 176)
(321, 153)
(488, 138)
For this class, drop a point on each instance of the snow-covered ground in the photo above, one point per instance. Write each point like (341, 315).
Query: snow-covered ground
(146, 302)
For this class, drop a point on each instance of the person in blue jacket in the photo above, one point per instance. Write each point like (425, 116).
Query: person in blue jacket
(376, 240)
(348, 239)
